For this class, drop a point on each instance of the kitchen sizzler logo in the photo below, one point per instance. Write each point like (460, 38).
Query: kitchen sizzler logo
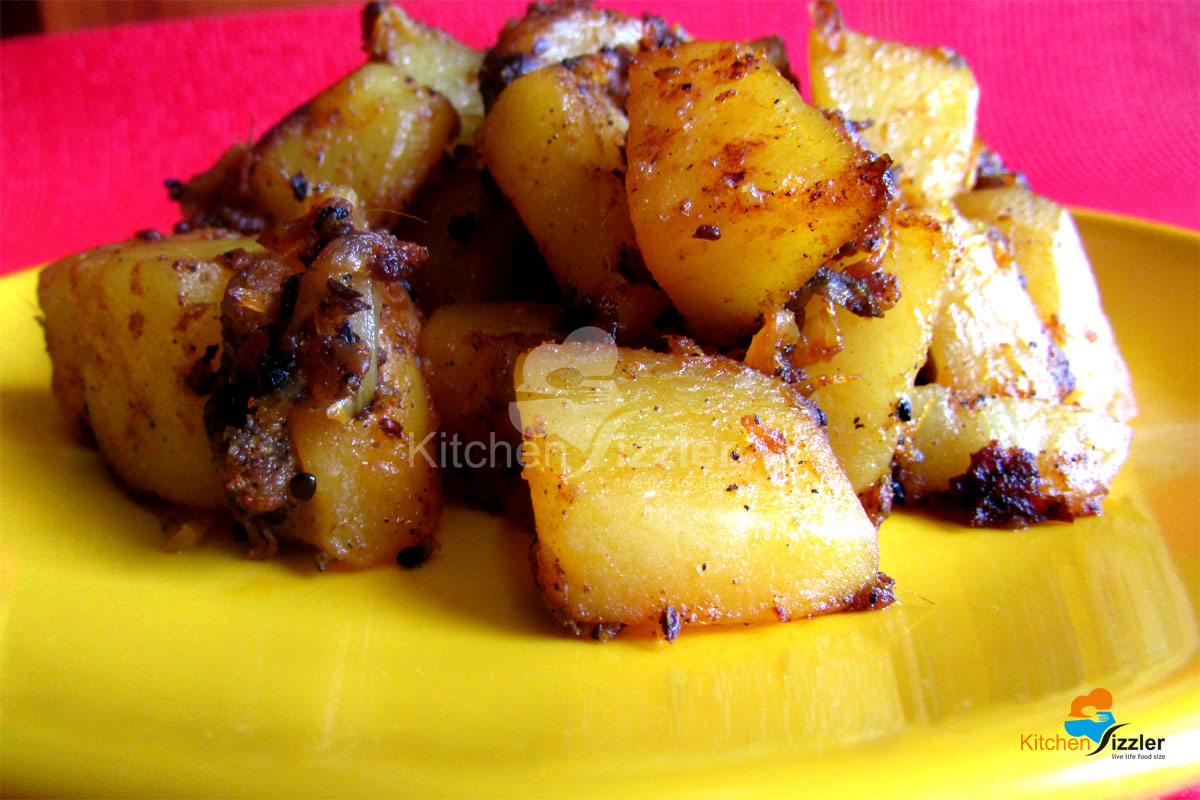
(1098, 725)
(1092, 726)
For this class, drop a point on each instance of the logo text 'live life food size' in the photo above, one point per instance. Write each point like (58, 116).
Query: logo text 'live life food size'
(1091, 728)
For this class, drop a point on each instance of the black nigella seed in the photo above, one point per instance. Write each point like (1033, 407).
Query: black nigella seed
(411, 557)
(904, 410)
(303, 485)
(299, 186)
(710, 233)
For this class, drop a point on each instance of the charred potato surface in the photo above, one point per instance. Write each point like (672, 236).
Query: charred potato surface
(1010, 461)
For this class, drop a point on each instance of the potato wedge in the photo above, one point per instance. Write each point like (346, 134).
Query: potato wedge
(1010, 461)
(376, 131)
(739, 191)
(468, 351)
(922, 102)
(321, 411)
(553, 144)
(864, 387)
(431, 56)
(1058, 277)
(673, 489)
(989, 339)
(133, 331)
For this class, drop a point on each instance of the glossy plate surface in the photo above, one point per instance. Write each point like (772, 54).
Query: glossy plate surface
(129, 671)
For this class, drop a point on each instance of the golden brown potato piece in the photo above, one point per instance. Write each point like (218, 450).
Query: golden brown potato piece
(552, 32)
(431, 56)
(478, 248)
(864, 387)
(376, 131)
(1010, 461)
(922, 102)
(989, 339)
(1058, 277)
(133, 331)
(320, 414)
(672, 489)
(554, 144)
(739, 191)
(468, 351)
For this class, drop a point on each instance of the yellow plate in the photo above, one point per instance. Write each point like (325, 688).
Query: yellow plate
(128, 671)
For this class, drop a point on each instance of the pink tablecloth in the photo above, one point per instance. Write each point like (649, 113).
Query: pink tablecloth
(1098, 102)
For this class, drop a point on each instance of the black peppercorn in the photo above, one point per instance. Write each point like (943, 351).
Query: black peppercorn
(303, 486)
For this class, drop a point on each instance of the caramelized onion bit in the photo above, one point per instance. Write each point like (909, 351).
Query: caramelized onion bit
(868, 296)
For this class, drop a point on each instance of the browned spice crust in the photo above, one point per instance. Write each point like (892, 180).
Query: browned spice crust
(1003, 487)
(874, 595)
(270, 360)
(877, 500)
(530, 43)
(991, 172)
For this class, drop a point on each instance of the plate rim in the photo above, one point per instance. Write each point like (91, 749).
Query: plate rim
(1145, 226)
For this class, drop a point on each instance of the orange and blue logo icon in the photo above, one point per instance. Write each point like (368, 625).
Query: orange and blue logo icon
(1091, 723)
(1091, 716)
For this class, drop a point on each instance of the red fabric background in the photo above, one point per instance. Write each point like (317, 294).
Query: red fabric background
(1098, 102)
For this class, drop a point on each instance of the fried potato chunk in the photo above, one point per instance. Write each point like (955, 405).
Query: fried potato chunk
(1058, 276)
(553, 143)
(320, 413)
(468, 351)
(921, 102)
(1010, 461)
(739, 191)
(864, 387)
(673, 489)
(133, 331)
(989, 339)
(376, 131)
(431, 56)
